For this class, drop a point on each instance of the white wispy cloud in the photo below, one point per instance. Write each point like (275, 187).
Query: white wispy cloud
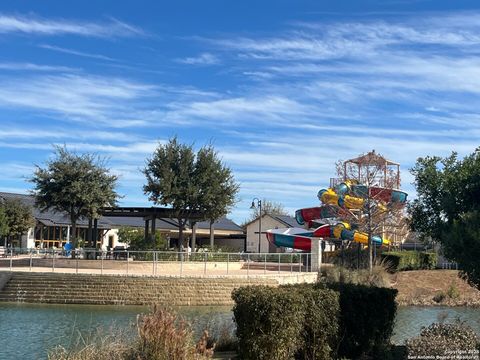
(76, 52)
(23, 66)
(202, 59)
(29, 24)
(93, 98)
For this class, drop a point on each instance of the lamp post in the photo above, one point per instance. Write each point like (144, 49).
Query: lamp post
(259, 204)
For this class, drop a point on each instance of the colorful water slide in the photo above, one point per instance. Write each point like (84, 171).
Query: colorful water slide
(301, 239)
(337, 203)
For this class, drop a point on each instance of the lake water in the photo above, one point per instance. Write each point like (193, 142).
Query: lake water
(28, 330)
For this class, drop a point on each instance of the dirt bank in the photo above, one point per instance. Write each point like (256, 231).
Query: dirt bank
(434, 287)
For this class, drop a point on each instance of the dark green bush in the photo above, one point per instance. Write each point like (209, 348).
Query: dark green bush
(269, 321)
(302, 321)
(367, 317)
(429, 260)
(409, 260)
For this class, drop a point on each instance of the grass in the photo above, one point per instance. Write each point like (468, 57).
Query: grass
(161, 335)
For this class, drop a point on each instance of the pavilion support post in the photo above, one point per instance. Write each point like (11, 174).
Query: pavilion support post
(147, 225)
(89, 232)
(153, 237)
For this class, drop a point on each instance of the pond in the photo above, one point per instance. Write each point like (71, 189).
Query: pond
(27, 331)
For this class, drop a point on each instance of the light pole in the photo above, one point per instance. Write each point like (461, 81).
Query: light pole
(259, 204)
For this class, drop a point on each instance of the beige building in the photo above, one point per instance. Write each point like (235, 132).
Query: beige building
(267, 222)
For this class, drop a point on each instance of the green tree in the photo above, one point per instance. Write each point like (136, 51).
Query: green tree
(190, 182)
(3, 224)
(18, 217)
(217, 188)
(135, 238)
(78, 185)
(447, 207)
(170, 174)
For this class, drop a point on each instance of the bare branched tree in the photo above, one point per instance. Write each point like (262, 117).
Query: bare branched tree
(375, 178)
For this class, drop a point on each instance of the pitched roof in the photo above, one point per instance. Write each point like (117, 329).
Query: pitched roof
(287, 220)
(52, 218)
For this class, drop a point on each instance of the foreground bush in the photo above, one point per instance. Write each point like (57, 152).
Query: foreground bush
(314, 322)
(269, 322)
(409, 260)
(367, 316)
(444, 341)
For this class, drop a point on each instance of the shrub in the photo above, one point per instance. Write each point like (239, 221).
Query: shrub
(320, 326)
(162, 335)
(96, 347)
(444, 340)
(453, 292)
(429, 260)
(269, 322)
(377, 277)
(367, 317)
(303, 321)
(409, 260)
(439, 297)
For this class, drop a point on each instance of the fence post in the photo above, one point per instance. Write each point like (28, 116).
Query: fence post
(53, 261)
(228, 261)
(30, 260)
(205, 263)
(300, 263)
(76, 262)
(127, 261)
(265, 264)
(248, 265)
(101, 259)
(181, 263)
(11, 258)
(279, 254)
(291, 262)
(153, 263)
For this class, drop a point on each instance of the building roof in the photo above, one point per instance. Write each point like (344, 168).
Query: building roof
(53, 218)
(286, 220)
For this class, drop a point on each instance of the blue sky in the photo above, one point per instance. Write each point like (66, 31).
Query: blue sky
(283, 89)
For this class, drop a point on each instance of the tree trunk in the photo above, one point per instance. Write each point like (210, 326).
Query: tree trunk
(180, 234)
(73, 236)
(194, 236)
(212, 234)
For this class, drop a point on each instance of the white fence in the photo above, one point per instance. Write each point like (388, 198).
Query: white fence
(154, 263)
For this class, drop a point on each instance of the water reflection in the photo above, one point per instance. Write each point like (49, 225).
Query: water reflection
(28, 330)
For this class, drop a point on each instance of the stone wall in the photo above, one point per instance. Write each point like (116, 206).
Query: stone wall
(130, 290)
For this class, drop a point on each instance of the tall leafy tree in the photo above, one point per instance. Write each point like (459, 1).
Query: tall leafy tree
(76, 184)
(190, 182)
(3, 224)
(217, 188)
(17, 218)
(448, 206)
(170, 174)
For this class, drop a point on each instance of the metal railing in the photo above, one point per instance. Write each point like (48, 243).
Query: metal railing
(155, 263)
